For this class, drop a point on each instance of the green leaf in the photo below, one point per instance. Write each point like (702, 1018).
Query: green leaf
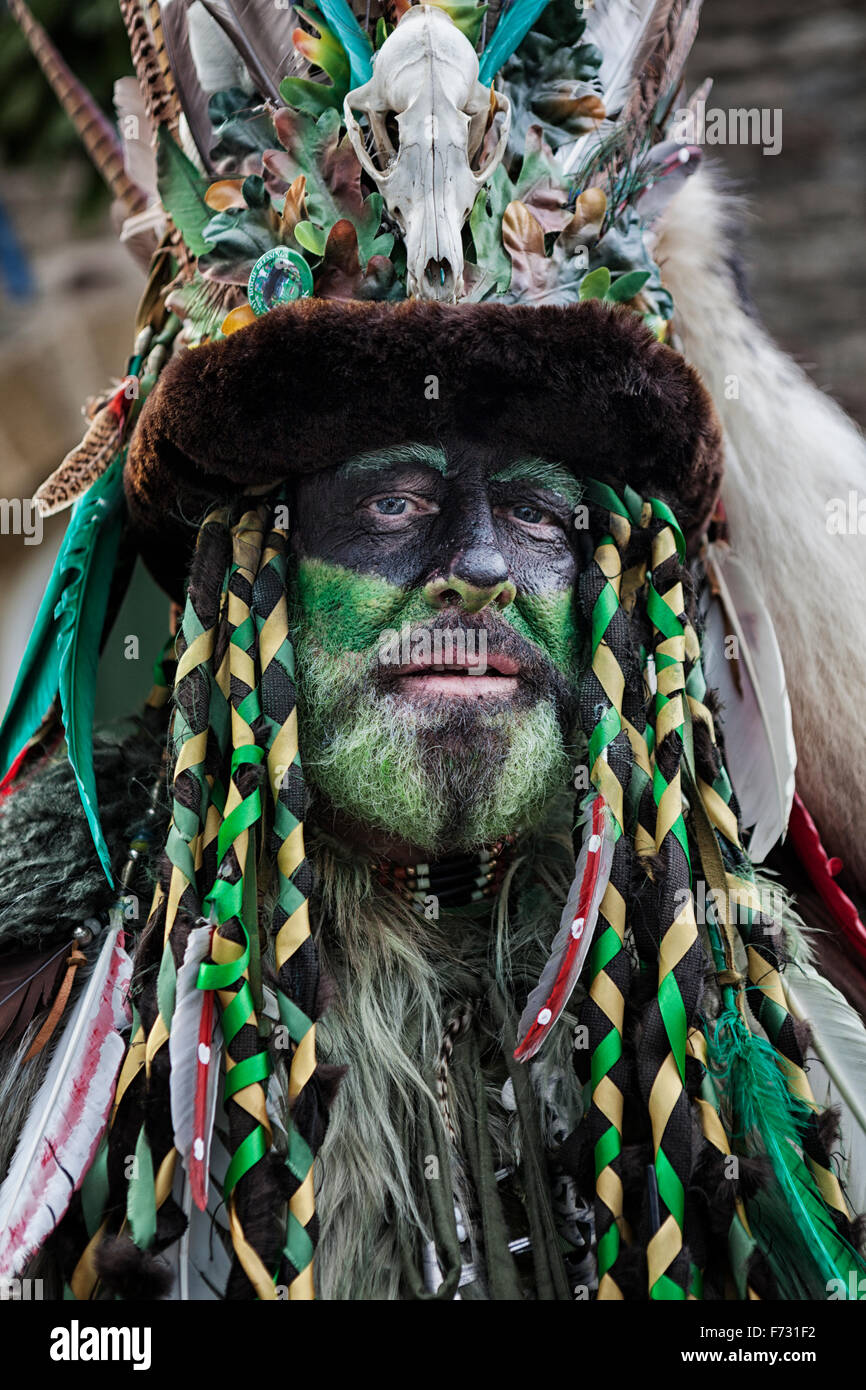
(595, 284)
(182, 189)
(254, 193)
(311, 238)
(382, 31)
(325, 52)
(238, 237)
(625, 287)
(310, 97)
(241, 131)
(466, 17)
(486, 228)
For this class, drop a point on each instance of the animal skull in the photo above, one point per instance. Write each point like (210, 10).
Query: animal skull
(428, 116)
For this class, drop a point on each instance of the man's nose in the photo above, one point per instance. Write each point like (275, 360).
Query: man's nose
(478, 579)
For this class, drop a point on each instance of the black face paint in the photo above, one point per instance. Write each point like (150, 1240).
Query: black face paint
(413, 523)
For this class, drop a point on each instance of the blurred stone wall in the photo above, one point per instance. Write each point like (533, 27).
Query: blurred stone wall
(805, 237)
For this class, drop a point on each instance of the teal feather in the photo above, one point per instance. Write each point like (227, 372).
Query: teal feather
(790, 1220)
(63, 652)
(508, 36)
(358, 48)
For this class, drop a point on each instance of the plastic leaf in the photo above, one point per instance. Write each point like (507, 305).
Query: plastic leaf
(313, 98)
(325, 52)
(311, 238)
(182, 190)
(595, 284)
(625, 287)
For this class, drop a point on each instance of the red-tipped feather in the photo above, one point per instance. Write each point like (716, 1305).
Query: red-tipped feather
(67, 1119)
(574, 938)
(195, 1052)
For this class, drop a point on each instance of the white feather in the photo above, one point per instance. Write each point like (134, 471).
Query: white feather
(836, 1069)
(199, 1260)
(760, 751)
(571, 927)
(617, 28)
(183, 1045)
(789, 451)
(139, 159)
(69, 1113)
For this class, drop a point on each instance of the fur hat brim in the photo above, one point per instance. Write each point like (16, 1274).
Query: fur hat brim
(309, 385)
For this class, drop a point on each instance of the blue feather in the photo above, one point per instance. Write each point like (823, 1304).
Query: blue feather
(358, 48)
(63, 652)
(508, 36)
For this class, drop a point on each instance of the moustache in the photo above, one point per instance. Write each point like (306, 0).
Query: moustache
(472, 642)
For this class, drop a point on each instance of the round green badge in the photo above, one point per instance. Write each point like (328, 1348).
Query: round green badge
(278, 277)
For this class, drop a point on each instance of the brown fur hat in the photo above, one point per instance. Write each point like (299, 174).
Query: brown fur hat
(311, 384)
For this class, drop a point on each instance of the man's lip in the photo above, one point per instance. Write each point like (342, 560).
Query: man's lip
(425, 681)
(493, 663)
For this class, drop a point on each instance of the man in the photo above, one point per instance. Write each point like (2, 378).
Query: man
(456, 979)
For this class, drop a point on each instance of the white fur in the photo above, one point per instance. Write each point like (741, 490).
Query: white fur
(789, 451)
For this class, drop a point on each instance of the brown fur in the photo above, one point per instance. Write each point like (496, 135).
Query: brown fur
(309, 385)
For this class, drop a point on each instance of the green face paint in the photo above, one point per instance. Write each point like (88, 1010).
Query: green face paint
(348, 612)
(440, 775)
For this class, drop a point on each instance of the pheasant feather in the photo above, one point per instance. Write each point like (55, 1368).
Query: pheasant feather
(89, 459)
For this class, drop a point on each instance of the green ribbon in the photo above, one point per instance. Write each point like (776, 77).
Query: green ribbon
(228, 901)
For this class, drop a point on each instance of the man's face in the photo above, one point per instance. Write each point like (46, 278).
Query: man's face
(436, 640)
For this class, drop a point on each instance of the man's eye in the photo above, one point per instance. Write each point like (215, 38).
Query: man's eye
(533, 516)
(391, 506)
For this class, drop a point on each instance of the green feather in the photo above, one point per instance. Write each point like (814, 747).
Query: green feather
(791, 1222)
(508, 36)
(63, 652)
(357, 45)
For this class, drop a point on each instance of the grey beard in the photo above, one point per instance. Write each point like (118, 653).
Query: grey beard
(432, 775)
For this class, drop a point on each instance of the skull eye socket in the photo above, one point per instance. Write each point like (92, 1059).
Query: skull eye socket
(382, 139)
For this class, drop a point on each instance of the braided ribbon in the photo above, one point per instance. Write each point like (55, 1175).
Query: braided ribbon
(668, 1101)
(610, 969)
(296, 953)
(232, 902)
(766, 995)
